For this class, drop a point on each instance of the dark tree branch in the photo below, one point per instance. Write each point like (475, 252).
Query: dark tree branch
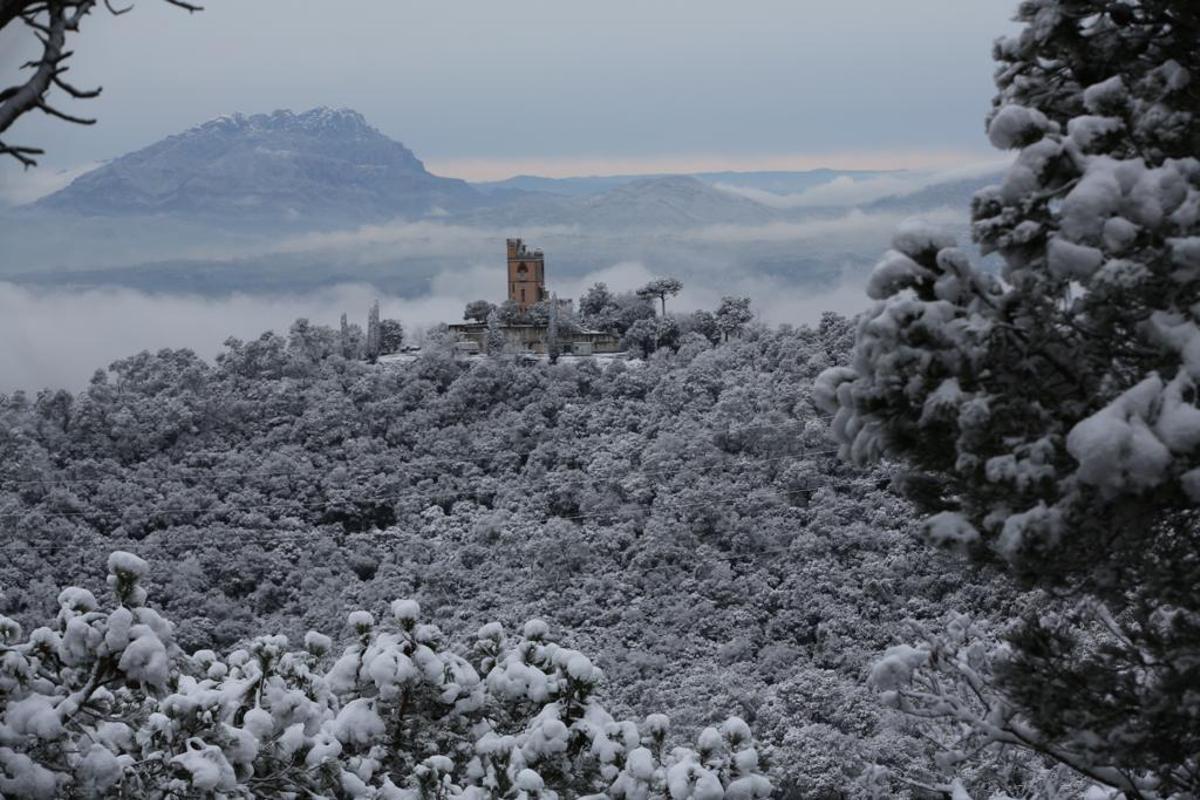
(54, 112)
(77, 93)
(49, 21)
(30, 95)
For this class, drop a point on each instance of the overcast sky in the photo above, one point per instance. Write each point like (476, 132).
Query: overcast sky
(488, 88)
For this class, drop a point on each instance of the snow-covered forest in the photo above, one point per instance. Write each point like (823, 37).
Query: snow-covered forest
(947, 549)
(685, 521)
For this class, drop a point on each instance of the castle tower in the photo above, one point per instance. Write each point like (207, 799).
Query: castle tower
(526, 274)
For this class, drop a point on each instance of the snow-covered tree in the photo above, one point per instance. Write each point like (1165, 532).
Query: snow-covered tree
(510, 313)
(595, 300)
(553, 339)
(1049, 415)
(104, 703)
(661, 288)
(478, 310)
(494, 340)
(641, 338)
(701, 322)
(684, 517)
(602, 310)
(732, 315)
(391, 335)
(374, 344)
(344, 338)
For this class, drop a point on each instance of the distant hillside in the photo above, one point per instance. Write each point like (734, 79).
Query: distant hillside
(779, 182)
(322, 164)
(948, 194)
(673, 201)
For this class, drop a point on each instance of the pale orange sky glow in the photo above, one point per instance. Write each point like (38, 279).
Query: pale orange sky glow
(491, 169)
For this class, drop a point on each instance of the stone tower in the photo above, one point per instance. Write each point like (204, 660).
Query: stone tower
(526, 274)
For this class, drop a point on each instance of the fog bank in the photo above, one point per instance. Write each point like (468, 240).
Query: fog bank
(59, 337)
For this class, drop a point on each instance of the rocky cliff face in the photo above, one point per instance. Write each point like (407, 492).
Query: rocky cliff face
(322, 163)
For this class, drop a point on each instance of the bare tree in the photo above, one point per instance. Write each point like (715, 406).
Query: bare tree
(50, 21)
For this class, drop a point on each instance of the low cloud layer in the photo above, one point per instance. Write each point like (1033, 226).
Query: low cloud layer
(59, 338)
(792, 271)
(26, 185)
(831, 230)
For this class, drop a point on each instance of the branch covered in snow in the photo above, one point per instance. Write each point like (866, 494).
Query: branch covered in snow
(946, 681)
(103, 701)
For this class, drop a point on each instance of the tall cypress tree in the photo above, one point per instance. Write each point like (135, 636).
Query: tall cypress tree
(553, 340)
(373, 333)
(495, 340)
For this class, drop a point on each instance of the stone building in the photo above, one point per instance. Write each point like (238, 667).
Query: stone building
(471, 337)
(526, 287)
(526, 275)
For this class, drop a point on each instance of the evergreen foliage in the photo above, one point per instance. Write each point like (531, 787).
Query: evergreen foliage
(1049, 415)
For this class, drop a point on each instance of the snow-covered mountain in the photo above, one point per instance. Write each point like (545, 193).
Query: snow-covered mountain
(320, 165)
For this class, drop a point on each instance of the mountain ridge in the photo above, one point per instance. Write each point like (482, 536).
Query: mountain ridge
(321, 163)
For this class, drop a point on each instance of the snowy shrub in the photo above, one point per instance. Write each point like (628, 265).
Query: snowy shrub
(105, 703)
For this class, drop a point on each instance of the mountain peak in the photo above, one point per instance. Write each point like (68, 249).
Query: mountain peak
(323, 163)
(321, 119)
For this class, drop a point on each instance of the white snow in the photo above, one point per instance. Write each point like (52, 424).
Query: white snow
(735, 730)
(408, 611)
(1089, 205)
(1116, 449)
(33, 716)
(1072, 261)
(1088, 133)
(1118, 234)
(123, 563)
(1107, 97)
(894, 670)
(893, 274)
(145, 658)
(208, 767)
(358, 724)
(361, 620)
(530, 781)
(536, 629)
(580, 668)
(950, 528)
(640, 764)
(1017, 126)
(317, 643)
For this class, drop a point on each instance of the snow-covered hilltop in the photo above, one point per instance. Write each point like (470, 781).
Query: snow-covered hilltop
(323, 164)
